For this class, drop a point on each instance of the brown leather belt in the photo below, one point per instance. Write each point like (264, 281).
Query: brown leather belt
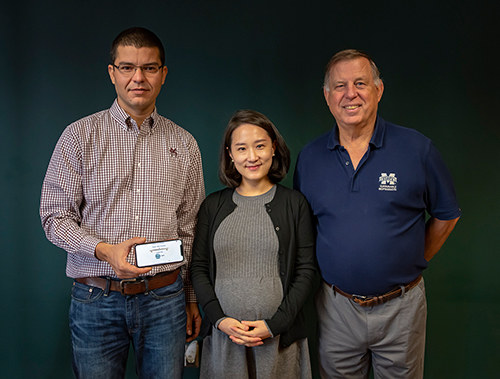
(368, 301)
(132, 286)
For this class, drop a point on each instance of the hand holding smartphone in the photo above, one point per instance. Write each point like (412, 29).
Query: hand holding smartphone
(158, 253)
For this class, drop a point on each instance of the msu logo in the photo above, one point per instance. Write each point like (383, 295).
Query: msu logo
(388, 182)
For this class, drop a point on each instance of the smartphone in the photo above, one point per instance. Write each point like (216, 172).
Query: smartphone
(158, 253)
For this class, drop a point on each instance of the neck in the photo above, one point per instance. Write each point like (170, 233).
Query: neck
(138, 116)
(355, 135)
(247, 188)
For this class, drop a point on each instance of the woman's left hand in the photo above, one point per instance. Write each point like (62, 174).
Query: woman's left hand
(258, 329)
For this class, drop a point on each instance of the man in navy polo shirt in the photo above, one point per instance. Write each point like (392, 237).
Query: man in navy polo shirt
(370, 184)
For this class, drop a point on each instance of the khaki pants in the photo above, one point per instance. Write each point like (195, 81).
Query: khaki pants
(390, 336)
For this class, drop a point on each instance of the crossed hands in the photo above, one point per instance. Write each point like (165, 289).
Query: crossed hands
(247, 333)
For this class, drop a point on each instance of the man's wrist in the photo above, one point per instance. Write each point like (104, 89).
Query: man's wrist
(98, 251)
(88, 246)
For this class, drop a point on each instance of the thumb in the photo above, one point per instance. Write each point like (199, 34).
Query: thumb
(250, 324)
(244, 326)
(136, 240)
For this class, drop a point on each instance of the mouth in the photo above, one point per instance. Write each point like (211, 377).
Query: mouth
(139, 90)
(253, 168)
(351, 107)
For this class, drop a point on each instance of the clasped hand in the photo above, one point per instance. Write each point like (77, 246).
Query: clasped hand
(247, 333)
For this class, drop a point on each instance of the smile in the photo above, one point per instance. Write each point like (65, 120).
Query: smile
(253, 168)
(350, 107)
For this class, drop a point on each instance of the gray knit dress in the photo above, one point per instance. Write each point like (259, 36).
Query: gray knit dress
(249, 287)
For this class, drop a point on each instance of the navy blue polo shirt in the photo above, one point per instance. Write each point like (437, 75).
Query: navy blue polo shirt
(371, 221)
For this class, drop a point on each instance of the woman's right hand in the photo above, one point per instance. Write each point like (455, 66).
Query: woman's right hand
(233, 327)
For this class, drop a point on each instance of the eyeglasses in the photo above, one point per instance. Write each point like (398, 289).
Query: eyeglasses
(130, 69)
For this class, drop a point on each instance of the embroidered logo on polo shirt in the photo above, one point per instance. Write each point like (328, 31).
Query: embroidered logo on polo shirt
(388, 182)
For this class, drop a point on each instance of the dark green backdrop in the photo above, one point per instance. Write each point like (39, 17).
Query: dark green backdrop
(437, 60)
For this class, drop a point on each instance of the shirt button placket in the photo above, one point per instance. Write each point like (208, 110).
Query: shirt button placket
(138, 180)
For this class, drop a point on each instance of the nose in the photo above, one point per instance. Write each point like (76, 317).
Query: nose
(138, 75)
(252, 155)
(351, 92)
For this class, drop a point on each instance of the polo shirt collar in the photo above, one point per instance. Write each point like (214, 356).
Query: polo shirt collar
(377, 139)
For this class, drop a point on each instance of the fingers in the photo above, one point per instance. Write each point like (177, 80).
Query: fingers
(193, 319)
(257, 329)
(240, 332)
(246, 341)
(127, 271)
(245, 337)
(135, 241)
(229, 323)
(251, 324)
(116, 256)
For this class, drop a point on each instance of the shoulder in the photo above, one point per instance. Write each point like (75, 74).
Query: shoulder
(218, 197)
(288, 192)
(87, 123)
(288, 195)
(314, 152)
(406, 135)
(171, 127)
(79, 131)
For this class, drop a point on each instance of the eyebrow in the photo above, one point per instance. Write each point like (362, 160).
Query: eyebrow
(244, 143)
(355, 80)
(145, 64)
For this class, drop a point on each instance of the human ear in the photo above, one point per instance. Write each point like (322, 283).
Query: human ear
(111, 72)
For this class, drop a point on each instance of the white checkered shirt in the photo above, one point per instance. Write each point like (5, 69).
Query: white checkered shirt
(108, 181)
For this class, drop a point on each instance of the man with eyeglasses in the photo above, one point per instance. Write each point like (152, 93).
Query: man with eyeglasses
(118, 178)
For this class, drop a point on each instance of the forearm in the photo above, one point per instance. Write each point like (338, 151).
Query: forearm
(62, 228)
(187, 214)
(436, 233)
(291, 305)
(201, 263)
(302, 277)
(62, 197)
(204, 288)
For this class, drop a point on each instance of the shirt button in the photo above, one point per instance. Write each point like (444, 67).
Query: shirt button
(138, 165)
(137, 217)
(138, 190)
(347, 163)
(277, 228)
(282, 273)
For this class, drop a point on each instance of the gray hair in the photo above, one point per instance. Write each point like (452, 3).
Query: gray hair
(347, 55)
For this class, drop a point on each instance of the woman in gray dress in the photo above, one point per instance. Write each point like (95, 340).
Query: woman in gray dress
(253, 259)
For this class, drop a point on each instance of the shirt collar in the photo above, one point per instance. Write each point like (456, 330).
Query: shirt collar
(124, 119)
(377, 139)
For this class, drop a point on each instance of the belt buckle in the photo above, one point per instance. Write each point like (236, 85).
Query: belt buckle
(122, 284)
(360, 297)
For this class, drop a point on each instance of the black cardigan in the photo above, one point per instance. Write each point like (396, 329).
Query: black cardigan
(292, 220)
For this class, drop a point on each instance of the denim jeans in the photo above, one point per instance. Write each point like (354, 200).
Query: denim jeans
(102, 328)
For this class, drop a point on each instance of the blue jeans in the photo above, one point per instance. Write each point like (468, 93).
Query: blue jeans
(103, 325)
